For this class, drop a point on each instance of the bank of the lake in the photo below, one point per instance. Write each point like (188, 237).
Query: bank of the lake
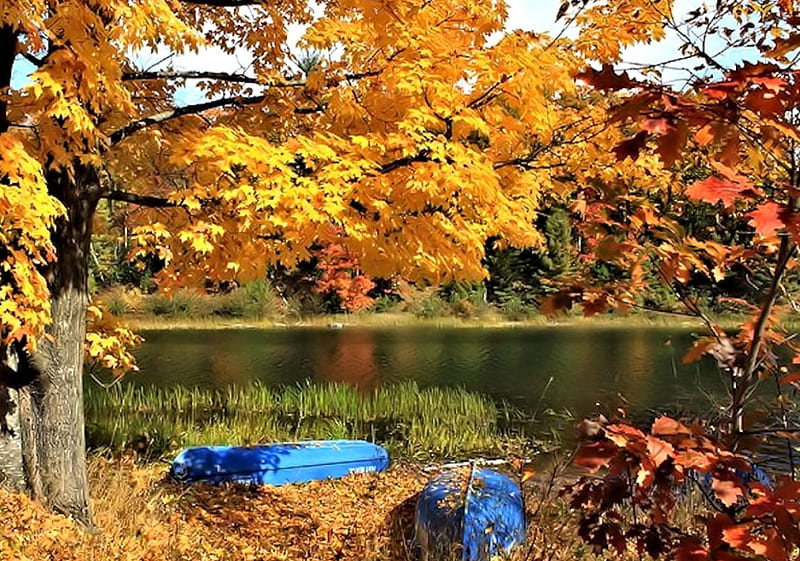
(407, 320)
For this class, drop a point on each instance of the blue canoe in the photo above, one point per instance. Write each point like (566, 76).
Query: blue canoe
(477, 512)
(277, 464)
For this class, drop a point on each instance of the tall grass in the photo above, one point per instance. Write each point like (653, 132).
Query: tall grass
(410, 421)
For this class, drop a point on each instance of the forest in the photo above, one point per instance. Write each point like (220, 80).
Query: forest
(396, 155)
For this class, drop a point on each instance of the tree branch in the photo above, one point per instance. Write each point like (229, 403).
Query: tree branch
(231, 77)
(38, 62)
(121, 134)
(200, 75)
(142, 200)
(423, 156)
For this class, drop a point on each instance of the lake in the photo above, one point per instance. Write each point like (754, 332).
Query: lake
(561, 369)
(559, 373)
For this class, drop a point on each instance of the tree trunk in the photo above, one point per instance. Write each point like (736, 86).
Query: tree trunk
(11, 474)
(53, 444)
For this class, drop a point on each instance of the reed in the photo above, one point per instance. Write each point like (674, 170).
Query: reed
(412, 422)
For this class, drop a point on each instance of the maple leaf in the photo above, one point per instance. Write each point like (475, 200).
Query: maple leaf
(595, 455)
(607, 79)
(791, 221)
(556, 303)
(631, 147)
(728, 492)
(667, 426)
(766, 219)
(717, 189)
(698, 349)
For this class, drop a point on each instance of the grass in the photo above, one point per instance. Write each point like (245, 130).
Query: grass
(411, 422)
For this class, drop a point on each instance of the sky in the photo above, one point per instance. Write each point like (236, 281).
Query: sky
(528, 15)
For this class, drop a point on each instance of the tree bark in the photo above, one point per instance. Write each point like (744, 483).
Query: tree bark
(53, 444)
(11, 473)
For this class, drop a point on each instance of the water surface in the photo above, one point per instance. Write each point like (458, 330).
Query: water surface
(561, 369)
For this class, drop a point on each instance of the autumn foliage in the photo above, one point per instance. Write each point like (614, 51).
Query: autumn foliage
(645, 475)
(339, 274)
(727, 139)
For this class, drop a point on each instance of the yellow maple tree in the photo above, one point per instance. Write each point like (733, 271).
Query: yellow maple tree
(421, 132)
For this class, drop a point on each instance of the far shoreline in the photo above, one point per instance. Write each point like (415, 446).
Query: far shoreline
(404, 320)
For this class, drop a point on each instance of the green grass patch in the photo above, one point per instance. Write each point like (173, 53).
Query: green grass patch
(411, 422)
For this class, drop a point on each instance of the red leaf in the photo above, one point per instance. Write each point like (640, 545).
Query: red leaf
(714, 189)
(773, 83)
(772, 548)
(721, 90)
(691, 550)
(667, 426)
(595, 455)
(607, 79)
(556, 304)
(766, 219)
(660, 451)
(671, 144)
(790, 378)
(791, 220)
(726, 491)
(656, 126)
(737, 536)
(630, 148)
(765, 102)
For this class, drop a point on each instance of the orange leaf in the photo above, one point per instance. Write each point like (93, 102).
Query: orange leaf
(766, 219)
(667, 426)
(716, 189)
(699, 348)
(726, 491)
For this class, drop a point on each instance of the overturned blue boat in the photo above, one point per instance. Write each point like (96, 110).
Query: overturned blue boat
(278, 464)
(471, 514)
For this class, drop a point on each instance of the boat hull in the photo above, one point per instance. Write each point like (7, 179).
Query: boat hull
(472, 515)
(278, 464)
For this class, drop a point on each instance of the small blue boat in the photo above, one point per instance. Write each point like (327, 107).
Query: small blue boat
(471, 514)
(277, 464)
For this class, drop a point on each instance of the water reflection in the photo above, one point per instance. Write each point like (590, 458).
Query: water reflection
(348, 357)
(611, 367)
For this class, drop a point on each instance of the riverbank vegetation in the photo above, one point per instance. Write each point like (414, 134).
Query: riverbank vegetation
(260, 306)
(413, 423)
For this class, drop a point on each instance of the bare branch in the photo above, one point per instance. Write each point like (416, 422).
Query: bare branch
(141, 200)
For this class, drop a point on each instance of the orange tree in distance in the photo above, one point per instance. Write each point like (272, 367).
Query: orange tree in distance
(733, 128)
(422, 131)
